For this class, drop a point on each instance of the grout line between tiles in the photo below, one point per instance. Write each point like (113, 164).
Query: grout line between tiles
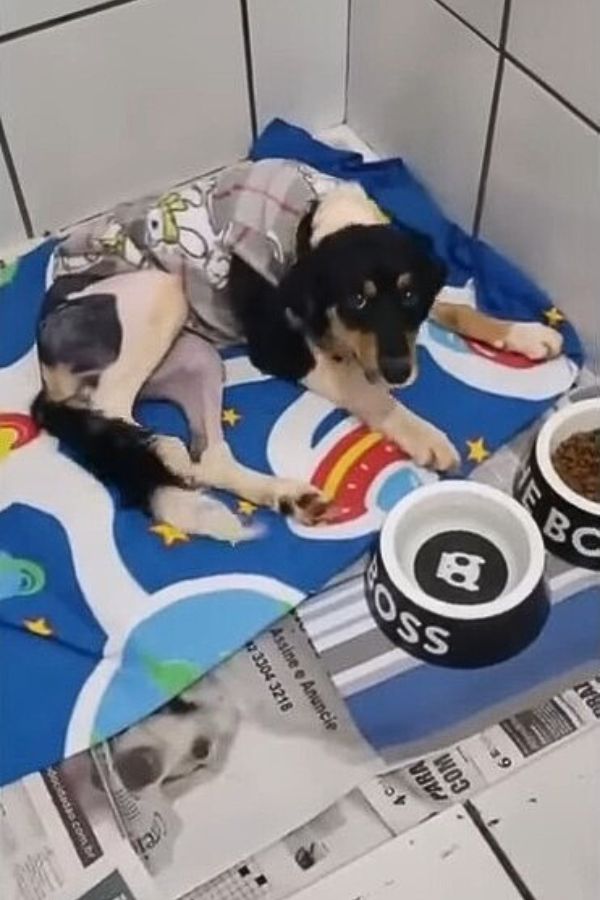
(249, 67)
(62, 20)
(493, 118)
(595, 126)
(477, 820)
(15, 183)
(466, 23)
(347, 74)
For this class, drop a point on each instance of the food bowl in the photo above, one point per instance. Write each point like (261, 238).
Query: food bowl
(457, 578)
(569, 522)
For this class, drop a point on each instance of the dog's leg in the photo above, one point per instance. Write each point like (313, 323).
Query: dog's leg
(532, 339)
(192, 377)
(218, 468)
(152, 310)
(345, 385)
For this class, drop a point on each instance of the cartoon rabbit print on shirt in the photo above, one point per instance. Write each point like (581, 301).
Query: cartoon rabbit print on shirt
(180, 220)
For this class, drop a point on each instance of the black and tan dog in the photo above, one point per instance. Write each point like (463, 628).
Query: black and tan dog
(342, 320)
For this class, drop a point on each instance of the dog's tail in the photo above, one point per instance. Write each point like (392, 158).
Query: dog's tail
(127, 456)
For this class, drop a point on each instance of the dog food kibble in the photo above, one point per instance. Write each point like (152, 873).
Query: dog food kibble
(577, 461)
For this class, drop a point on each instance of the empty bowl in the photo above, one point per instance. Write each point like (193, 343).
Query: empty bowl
(457, 577)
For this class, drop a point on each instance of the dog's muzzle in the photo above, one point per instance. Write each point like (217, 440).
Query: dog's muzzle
(139, 767)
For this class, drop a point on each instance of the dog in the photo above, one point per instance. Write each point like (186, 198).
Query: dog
(329, 294)
(101, 344)
(182, 745)
(344, 319)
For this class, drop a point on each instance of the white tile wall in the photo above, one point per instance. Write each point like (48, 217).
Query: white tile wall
(485, 15)
(542, 205)
(122, 102)
(560, 42)
(546, 818)
(299, 60)
(420, 87)
(11, 226)
(21, 13)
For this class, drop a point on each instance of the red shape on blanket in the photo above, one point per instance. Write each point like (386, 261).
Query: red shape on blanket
(348, 470)
(16, 430)
(503, 357)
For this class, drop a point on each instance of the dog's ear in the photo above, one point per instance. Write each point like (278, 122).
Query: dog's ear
(431, 268)
(300, 293)
(304, 232)
(434, 275)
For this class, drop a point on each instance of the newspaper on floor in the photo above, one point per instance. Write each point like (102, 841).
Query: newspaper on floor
(59, 837)
(254, 750)
(401, 799)
(52, 848)
(345, 831)
(423, 787)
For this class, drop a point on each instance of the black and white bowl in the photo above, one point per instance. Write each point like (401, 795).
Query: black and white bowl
(569, 522)
(457, 577)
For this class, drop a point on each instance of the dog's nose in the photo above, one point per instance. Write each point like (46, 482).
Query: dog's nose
(138, 767)
(395, 370)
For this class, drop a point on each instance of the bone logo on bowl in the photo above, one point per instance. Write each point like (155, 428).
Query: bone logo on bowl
(460, 567)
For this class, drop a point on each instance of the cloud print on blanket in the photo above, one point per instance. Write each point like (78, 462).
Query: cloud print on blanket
(105, 615)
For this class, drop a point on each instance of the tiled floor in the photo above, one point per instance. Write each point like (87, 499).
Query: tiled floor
(545, 821)
(534, 836)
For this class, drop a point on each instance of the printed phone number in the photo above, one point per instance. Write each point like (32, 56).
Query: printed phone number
(276, 689)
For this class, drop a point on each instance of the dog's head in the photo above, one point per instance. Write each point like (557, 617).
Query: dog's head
(363, 291)
(185, 742)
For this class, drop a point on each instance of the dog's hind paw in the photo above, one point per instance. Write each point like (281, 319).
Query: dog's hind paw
(216, 521)
(304, 502)
(200, 515)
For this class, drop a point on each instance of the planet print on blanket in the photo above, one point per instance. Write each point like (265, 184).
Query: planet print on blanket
(364, 473)
(124, 616)
(500, 372)
(178, 641)
(19, 577)
(496, 370)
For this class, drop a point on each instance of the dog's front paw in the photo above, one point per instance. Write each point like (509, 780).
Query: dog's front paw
(304, 502)
(429, 447)
(533, 340)
(426, 444)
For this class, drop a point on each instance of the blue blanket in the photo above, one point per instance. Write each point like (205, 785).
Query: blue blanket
(104, 615)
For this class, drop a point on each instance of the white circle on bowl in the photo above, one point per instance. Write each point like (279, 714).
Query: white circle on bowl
(463, 505)
(581, 416)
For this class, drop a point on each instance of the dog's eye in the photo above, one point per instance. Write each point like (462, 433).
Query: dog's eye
(358, 301)
(200, 748)
(410, 298)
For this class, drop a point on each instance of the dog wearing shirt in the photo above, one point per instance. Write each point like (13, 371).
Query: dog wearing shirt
(304, 269)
